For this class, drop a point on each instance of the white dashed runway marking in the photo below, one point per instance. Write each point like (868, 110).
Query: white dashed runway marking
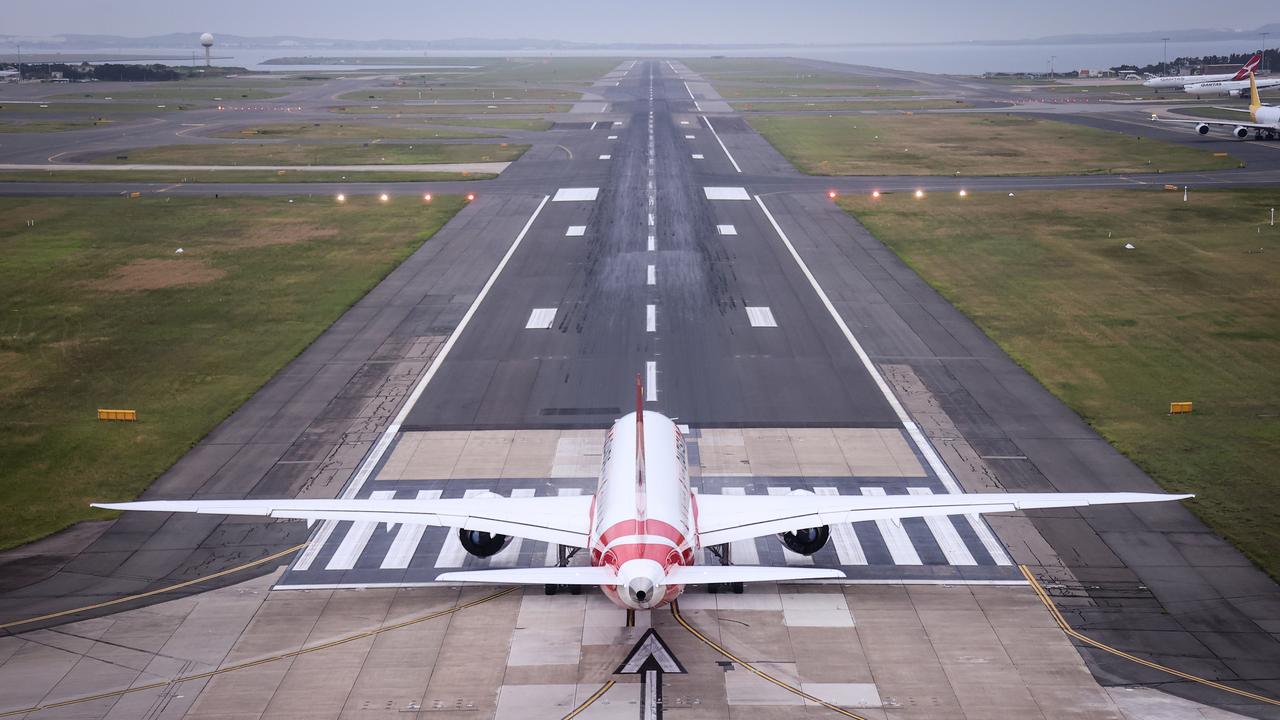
(576, 231)
(726, 230)
(726, 193)
(541, 319)
(575, 194)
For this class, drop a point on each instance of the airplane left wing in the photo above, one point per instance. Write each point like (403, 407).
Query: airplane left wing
(563, 520)
(1219, 123)
(726, 518)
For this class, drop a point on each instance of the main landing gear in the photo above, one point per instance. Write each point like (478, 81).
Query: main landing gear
(563, 556)
(725, 555)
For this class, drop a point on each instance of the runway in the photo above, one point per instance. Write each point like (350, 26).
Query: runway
(1152, 580)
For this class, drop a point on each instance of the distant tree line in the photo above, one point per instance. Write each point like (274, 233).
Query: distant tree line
(1269, 59)
(118, 73)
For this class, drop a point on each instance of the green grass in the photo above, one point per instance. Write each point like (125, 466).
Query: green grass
(848, 106)
(496, 71)
(316, 154)
(498, 108)
(100, 109)
(182, 91)
(345, 131)
(771, 71)
(258, 281)
(969, 144)
(1126, 91)
(764, 91)
(235, 176)
(530, 124)
(1213, 113)
(43, 126)
(1192, 313)
(401, 94)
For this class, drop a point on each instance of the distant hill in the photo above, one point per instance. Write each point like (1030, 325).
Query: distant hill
(293, 42)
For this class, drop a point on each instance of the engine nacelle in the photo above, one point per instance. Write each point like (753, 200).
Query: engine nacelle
(483, 544)
(1241, 132)
(809, 540)
(1203, 129)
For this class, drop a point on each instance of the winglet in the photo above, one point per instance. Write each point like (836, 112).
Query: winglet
(1254, 101)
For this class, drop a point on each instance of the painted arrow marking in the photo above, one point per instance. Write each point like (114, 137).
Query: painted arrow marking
(649, 659)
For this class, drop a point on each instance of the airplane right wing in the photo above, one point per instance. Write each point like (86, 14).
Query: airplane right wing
(563, 520)
(1218, 123)
(725, 518)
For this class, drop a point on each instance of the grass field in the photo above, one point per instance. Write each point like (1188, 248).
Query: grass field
(235, 176)
(1214, 113)
(848, 106)
(1135, 90)
(771, 71)
(303, 154)
(733, 92)
(345, 131)
(968, 144)
(496, 123)
(1192, 313)
(100, 312)
(59, 108)
(455, 109)
(43, 126)
(183, 91)
(400, 94)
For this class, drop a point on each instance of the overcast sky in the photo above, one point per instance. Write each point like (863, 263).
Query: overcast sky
(692, 21)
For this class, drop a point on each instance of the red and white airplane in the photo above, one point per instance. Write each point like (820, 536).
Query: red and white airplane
(1178, 82)
(644, 525)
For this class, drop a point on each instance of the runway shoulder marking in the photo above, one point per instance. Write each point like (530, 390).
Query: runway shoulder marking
(576, 231)
(575, 194)
(541, 319)
(726, 230)
(726, 193)
(761, 316)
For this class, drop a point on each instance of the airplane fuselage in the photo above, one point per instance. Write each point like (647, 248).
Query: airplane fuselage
(643, 523)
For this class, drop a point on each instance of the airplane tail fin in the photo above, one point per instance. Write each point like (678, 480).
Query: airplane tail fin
(1249, 67)
(1254, 101)
(640, 487)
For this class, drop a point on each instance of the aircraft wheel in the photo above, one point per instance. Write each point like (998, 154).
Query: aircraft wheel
(713, 588)
(738, 588)
(550, 589)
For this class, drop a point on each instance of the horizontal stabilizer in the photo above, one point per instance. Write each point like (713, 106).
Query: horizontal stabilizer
(534, 576)
(706, 574)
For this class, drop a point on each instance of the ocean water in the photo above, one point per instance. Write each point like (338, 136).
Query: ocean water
(959, 59)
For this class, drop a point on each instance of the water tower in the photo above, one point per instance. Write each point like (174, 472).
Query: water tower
(207, 41)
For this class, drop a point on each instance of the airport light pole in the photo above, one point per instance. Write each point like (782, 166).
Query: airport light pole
(19, 63)
(1264, 51)
(1166, 55)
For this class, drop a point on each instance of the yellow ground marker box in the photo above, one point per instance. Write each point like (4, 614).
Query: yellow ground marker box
(1178, 408)
(122, 415)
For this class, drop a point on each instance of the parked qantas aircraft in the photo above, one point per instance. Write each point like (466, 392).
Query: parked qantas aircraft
(1177, 82)
(1264, 119)
(1233, 88)
(644, 524)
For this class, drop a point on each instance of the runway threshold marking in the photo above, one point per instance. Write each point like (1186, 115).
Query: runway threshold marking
(1070, 631)
(917, 436)
(261, 661)
(675, 612)
(716, 135)
(152, 593)
(371, 460)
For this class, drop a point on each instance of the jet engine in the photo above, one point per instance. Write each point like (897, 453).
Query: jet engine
(1241, 132)
(809, 540)
(1202, 129)
(483, 544)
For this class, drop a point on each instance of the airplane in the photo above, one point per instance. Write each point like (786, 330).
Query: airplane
(1265, 118)
(1234, 88)
(644, 525)
(1178, 82)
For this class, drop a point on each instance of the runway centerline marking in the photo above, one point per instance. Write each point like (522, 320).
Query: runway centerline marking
(651, 381)
(576, 231)
(651, 275)
(726, 230)
(761, 316)
(650, 317)
(541, 319)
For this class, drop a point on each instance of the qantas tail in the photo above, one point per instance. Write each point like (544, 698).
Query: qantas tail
(1249, 68)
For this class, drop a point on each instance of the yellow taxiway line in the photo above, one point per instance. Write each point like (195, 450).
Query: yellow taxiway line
(1066, 628)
